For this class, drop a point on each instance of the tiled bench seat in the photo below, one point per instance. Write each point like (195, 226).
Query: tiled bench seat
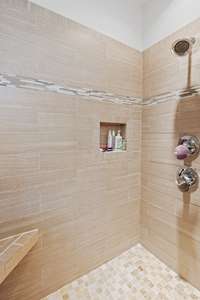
(13, 249)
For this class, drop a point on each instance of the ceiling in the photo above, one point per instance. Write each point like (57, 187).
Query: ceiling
(136, 23)
(141, 1)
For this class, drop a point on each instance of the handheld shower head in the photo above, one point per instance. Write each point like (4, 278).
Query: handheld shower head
(182, 47)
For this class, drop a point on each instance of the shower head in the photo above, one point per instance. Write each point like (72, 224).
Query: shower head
(182, 47)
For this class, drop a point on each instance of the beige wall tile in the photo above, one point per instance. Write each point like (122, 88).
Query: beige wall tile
(52, 175)
(170, 224)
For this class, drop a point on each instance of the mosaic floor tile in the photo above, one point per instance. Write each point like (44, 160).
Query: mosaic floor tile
(134, 275)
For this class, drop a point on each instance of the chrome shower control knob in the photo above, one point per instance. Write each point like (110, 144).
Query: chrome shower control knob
(188, 146)
(187, 179)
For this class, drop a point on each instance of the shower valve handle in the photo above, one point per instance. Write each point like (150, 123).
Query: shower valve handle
(188, 146)
(186, 179)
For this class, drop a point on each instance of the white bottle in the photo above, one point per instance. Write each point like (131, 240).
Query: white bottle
(113, 139)
(118, 141)
(109, 144)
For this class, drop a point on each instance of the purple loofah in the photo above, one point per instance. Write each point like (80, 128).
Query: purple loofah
(181, 152)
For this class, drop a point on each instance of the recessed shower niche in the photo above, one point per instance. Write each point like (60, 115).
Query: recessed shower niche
(112, 137)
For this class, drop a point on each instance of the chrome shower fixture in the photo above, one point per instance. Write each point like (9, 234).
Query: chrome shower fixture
(188, 147)
(187, 179)
(183, 47)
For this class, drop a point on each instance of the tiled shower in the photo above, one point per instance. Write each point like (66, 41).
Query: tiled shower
(79, 222)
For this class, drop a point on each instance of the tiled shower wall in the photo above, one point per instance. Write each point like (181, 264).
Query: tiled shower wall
(52, 176)
(58, 81)
(170, 220)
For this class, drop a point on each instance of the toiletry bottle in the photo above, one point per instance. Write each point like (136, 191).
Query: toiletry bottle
(113, 139)
(118, 141)
(124, 142)
(109, 145)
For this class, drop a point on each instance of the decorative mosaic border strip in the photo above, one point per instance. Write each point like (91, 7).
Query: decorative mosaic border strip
(15, 81)
(176, 95)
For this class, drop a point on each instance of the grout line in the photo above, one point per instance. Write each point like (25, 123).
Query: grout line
(9, 246)
(14, 242)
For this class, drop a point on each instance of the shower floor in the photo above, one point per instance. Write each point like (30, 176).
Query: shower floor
(134, 275)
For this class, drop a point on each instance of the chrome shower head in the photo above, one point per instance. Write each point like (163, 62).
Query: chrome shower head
(182, 47)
